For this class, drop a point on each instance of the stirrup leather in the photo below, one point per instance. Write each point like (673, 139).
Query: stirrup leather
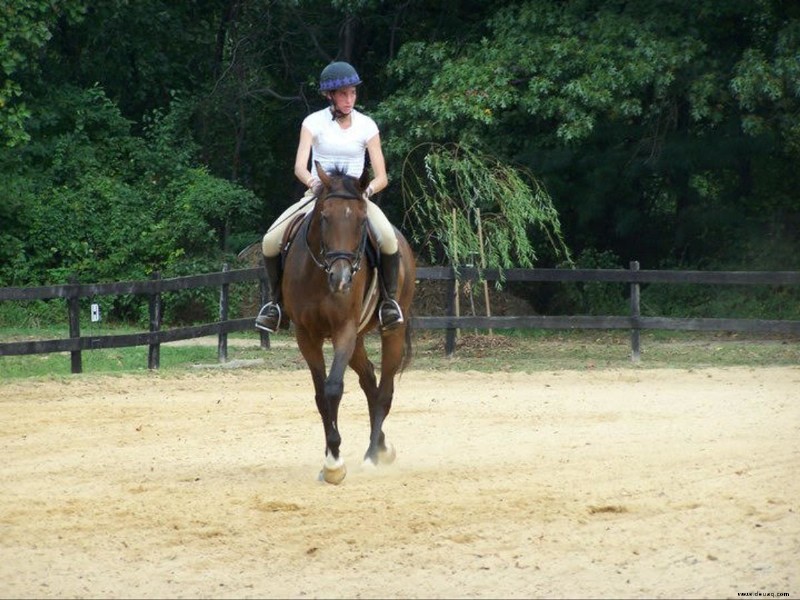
(390, 302)
(262, 315)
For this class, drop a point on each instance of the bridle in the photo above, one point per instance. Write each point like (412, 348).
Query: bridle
(325, 258)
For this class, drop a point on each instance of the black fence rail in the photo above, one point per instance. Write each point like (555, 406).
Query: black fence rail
(634, 277)
(153, 288)
(76, 342)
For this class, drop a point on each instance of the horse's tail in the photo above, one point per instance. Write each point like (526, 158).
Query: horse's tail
(408, 349)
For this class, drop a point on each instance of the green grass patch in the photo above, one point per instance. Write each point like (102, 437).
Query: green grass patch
(577, 350)
(114, 360)
(528, 351)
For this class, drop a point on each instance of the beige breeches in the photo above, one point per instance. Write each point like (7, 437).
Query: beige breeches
(378, 223)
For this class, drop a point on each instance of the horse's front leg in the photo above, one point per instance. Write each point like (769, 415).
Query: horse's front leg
(334, 470)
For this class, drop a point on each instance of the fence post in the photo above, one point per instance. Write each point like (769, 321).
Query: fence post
(222, 338)
(452, 297)
(636, 353)
(154, 351)
(483, 266)
(74, 306)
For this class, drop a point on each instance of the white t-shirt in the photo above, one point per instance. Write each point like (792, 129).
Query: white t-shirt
(335, 147)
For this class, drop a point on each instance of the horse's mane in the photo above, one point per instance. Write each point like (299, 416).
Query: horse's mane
(338, 171)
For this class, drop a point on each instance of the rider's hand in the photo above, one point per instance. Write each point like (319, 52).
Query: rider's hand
(315, 185)
(367, 193)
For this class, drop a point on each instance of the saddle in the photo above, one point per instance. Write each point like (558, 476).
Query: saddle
(372, 294)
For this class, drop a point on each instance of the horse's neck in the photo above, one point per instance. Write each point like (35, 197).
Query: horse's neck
(312, 232)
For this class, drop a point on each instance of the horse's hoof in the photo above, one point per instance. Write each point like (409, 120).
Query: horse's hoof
(334, 476)
(388, 455)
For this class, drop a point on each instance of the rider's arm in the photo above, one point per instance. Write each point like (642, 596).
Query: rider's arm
(381, 180)
(301, 160)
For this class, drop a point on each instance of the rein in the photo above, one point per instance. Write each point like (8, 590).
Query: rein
(294, 212)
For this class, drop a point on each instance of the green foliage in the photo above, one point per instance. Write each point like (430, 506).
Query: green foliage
(31, 314)
(593, 297)
(153, 135)
(657, 128)
(141, 53)
(766, 83)
(743, 302)
(25, 28)
(104, 205)
(568, 66)
(466, 205)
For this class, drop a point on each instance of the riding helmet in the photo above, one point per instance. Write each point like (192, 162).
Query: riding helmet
(338, 75)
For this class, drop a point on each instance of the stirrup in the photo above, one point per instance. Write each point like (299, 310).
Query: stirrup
(263, 316)
(390, 302)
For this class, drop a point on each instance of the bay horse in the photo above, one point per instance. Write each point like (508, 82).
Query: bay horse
(326, 294)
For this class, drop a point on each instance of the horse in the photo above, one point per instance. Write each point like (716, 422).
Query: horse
(327, 288)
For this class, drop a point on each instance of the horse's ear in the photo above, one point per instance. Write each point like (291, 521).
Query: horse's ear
(323, 176)
(364, 180)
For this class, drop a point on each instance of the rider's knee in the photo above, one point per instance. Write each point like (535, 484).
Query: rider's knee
(271, 243)
(386, 240)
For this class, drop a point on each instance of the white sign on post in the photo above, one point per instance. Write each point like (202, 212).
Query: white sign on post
(95, 313)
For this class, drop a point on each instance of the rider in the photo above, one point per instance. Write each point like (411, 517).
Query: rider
(336, 136)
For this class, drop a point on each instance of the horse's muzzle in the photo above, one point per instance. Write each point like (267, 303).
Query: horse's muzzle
(340, 277)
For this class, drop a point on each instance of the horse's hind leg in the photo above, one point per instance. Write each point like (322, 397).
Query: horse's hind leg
(379, 398)
(362, 365)
(392, 354)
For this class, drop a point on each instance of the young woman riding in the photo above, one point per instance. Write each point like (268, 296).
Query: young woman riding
(337, 137)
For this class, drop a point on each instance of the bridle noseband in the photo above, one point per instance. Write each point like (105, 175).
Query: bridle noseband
(327, 257)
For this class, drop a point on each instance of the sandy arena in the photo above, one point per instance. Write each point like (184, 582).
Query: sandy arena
(594, 484)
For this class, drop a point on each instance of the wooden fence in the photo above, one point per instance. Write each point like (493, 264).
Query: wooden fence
(154, 288)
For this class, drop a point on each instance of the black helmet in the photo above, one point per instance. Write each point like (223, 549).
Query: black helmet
(338, 75)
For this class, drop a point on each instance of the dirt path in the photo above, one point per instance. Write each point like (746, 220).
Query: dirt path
(629, 483)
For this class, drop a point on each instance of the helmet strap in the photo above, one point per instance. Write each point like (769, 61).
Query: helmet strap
(335, 112)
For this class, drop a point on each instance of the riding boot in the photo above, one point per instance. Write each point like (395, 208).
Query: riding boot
(269, 317)
(390, 314)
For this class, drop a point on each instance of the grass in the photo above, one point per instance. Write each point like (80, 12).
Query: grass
(504, 351)
(118, 360)
(579, 350)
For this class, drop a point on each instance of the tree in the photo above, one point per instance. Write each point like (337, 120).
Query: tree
(103, 204)
(643, 119)
(25, 29)
(466, 207)
(662, 131)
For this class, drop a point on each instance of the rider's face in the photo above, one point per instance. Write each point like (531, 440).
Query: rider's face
(344, 99)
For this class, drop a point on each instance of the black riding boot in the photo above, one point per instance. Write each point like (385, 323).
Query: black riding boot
(269, 317)
(389, 314)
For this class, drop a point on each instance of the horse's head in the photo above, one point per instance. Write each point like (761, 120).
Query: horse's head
(342, 217)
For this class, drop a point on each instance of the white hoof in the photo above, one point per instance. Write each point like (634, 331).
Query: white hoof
(333, 471)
